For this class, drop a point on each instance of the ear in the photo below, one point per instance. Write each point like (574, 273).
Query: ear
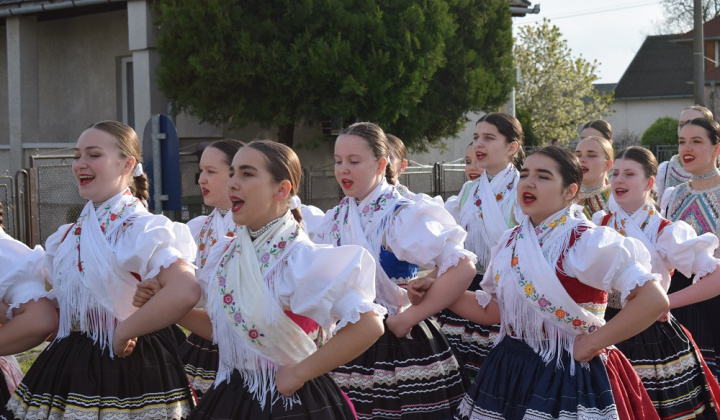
(570, 192)
(609, 165)
(129, 165)
(283, 191)
(382, 163)
(513, 148)
(403, 165)
(651, 184)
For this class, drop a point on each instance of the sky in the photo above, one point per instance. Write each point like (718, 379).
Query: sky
(609, 31)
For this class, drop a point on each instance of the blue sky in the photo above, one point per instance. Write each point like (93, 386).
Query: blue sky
(609, 31)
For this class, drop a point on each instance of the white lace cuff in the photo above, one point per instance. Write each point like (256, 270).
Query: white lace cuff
(639, 281)
(164, 259)
(705, 269)
(454, 258)
(483, 298)
(24, 300)
(353, 315)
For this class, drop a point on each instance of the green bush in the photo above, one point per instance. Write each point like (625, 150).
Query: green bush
(662, 131)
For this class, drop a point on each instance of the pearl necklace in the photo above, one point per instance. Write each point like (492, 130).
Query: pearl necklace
(590, 190)
(715, 172)
(256, 234)
(223, 212)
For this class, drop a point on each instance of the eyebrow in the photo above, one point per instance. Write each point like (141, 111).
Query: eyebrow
(545, 171)
(88, 148)
(244, 167)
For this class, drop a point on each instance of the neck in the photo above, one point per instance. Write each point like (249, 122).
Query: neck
(491, 172)
(632, 207)
(594, 183)
(371, 189)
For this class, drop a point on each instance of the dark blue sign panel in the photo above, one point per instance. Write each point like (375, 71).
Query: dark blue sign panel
(161, 150)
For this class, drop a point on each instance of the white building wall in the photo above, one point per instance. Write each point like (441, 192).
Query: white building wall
(635, 116)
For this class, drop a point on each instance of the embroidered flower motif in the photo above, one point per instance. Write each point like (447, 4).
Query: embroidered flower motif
(538, 230)
(529, 289)
(498, 196)
(281, 244)
(560, 313)
(514, 261)
(201, 247)
(563, 219)
(230, 234)
(478, 202)
(576, 322)
(543, 302)
(265, 258)
(113, 216)
(253, 334)
(227, 299)
(334, 228)
(497, 277)
(388, 195)
(592, 328)
(77, 231)
(222, 281)
(365, 209)
(553, 223)
(237, 316)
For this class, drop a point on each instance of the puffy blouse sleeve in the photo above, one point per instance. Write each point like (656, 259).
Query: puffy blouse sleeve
(317, 231)
(680, 246)
(195, 225)
(22, 278)
(152, 242)
(329, 284)
(604, 259)
(312, 218)
(598, 216)
(425, 234)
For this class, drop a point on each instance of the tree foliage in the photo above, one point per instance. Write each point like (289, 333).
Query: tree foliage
(555, 88)
(678, 14)
(663, 131)
(283, 62)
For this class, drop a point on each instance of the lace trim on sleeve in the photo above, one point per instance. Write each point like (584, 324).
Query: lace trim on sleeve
(352, 316)
(167, 260)
(483, 298)
(639, 281)
(34, 297)
(453, 259)
(705, 269)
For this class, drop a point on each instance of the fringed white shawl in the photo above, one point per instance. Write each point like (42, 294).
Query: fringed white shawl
(93, 293)
(488, 211)
(529, 281)
(253, 333)
(364, 224)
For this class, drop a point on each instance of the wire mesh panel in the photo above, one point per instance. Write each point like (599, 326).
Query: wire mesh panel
(324, 191)
(664, 152)
(7, 198)
(418, 178)
(192, 200)
(452, 178)
(58, 200)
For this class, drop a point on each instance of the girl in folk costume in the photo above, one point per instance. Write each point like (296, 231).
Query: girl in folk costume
(698, 203)
(596, 159)
(597, 128)
(26, 315)
(269, 296)
(547, 282)
(664, 356)
(671, 172)
(486, 207)
(416, 376)
(397, 158)
(111, 360)
(200, 356)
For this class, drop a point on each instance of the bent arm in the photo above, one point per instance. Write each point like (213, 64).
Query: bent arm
(350, 342)
(467, 307)
(445, 290)
(198, 321)
(178, 295)
(31, 324)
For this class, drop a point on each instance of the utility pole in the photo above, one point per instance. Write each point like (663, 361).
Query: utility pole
(698, 54)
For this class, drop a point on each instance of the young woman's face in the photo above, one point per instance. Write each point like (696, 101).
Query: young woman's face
(99, 169)
(629, 184)
(356, 169)
(255, 196)
(472, 169)
(594, 164)
(697, 153)
(492, 151)
(540, 189)
(214, 176)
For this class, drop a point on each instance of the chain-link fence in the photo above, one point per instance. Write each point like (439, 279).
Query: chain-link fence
(451, 177)
(664, 152)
